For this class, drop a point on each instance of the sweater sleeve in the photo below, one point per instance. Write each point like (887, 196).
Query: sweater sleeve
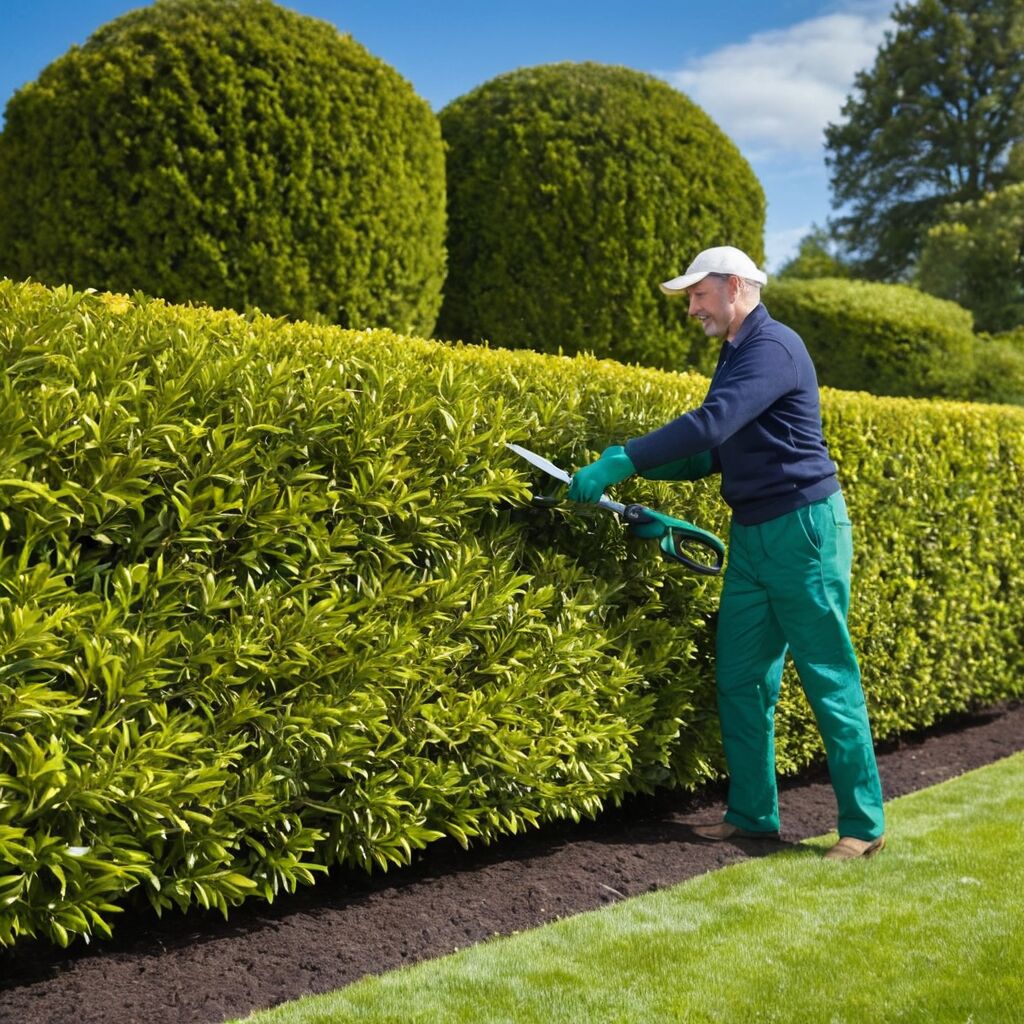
(755, 377)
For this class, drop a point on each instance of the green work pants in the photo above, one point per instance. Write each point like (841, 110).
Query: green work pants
(787, 587)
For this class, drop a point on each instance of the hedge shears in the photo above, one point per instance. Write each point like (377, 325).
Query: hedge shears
(698, 550)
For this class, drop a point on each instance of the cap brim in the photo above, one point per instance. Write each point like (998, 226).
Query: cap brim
(680, 284)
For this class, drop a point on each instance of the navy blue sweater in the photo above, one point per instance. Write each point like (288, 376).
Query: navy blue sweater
(761, 421)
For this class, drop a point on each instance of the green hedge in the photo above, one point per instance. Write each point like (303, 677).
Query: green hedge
(232, 152)
(973, 255)
(999, 368)
(573, 190)
(272, 599)
(884, 338)
(1014, 338)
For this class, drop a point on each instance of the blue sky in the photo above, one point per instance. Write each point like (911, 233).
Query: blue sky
(771, 74)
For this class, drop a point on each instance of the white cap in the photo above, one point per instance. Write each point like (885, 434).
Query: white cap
(723, 259)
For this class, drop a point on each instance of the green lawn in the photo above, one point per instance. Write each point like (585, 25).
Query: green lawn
(930, 931)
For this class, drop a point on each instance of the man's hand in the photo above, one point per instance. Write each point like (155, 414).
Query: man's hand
(590, 482)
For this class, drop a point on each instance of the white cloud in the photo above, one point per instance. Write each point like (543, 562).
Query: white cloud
(774, 93)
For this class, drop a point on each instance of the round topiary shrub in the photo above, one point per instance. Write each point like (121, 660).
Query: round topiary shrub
(887, 339)
(231, 152)
(573, 191)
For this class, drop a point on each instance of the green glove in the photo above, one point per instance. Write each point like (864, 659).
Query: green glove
(590, 482)
(694, 467)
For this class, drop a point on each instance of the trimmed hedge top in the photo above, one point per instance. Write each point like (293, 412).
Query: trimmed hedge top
(573, 190)
(884, 338)
(233, 152)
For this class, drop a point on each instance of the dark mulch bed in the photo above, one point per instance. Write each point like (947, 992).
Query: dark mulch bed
(199, 968)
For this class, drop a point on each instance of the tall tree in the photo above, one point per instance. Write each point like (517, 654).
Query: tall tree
(932, 122)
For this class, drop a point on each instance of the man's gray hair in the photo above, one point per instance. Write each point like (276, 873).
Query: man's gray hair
(747, 286)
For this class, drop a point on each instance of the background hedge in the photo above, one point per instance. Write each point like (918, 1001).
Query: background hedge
(999, 367)
(884, 338)
(234, 152)
(975, 256)
(271, 598)
(573, 190)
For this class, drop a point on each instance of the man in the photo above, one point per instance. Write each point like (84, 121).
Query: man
(787, 582)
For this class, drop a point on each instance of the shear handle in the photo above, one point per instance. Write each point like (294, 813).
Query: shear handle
(680, 535)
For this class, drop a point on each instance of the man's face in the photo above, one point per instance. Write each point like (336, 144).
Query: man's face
(710, 304)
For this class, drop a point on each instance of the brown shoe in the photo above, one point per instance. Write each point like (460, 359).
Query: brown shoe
(722, 830)
(847, 848)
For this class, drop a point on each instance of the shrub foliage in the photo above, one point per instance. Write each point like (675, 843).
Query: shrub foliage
(999, 367)
(573, 190)
(975, 256)
(272, 598)
(234, 152)
(884, 338)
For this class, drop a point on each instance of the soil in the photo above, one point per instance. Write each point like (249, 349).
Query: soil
(199, 969)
